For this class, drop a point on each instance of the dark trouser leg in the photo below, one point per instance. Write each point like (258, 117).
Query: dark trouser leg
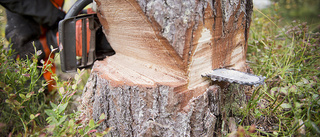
(22, 31)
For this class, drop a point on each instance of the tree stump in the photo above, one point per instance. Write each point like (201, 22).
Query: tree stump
(152, 86)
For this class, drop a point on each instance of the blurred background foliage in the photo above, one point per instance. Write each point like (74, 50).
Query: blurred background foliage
(302, 10)
(3, 21)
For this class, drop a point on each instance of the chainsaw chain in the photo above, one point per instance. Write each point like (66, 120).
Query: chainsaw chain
(230, 80)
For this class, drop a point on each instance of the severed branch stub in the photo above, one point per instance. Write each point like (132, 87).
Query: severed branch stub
(234, 76)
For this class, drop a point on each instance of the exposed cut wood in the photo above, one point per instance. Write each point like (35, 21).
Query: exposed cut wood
(138, 46)
(152, 86)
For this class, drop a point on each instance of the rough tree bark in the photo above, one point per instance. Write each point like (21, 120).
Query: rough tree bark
(152, 86)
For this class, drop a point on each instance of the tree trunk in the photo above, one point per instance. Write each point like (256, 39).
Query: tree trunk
(152, 86)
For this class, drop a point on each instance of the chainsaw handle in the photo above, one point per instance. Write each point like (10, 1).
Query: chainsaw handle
(77, 7)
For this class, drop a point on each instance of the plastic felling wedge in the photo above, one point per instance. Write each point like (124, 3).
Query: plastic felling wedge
(234, 76)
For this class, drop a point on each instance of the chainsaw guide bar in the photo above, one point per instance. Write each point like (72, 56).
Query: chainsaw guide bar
(234, 76)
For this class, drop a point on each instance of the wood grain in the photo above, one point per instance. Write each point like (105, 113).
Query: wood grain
(152, 86)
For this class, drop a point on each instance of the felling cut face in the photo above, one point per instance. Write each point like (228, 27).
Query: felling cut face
(237, 57)
(147, 55)
(154, 78)
(201, 60)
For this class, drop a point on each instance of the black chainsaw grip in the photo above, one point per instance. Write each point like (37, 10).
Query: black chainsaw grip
(77, 7)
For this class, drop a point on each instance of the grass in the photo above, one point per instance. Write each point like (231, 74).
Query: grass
(26, 110)
(289, 56)
(306, 10)
(21, 93)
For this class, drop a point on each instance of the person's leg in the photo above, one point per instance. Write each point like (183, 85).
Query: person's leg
(23, 32)
(25, 35)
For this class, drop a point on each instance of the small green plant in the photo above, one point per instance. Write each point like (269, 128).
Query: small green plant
(289, 103)
(62, 124)
(21, 94)
(25, 109)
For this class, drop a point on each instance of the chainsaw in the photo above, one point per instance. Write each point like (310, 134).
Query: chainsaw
(81, 42)
(234, 76)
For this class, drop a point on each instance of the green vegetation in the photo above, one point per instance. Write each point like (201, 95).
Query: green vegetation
(2, 22)
(306, 10)
(25, 109)
(289, 56)
(21, 92)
